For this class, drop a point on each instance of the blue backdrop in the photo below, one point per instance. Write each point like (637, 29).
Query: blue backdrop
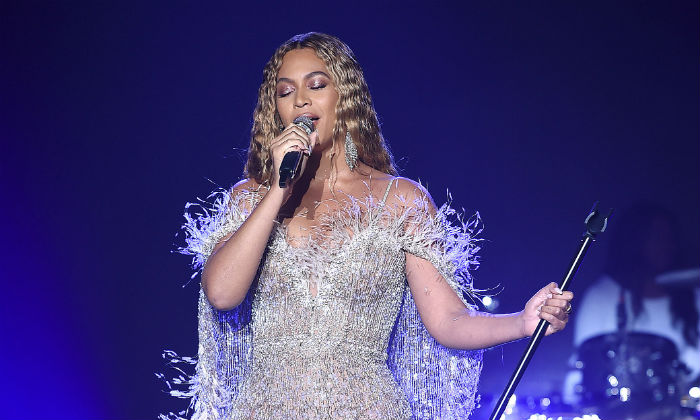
(114, 114)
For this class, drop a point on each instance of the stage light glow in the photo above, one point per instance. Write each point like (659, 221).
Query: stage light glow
(545, 402)
(625, 394)
(694, 392)
(612, 380)
(490, 303)
(509, 407)
(539, 416)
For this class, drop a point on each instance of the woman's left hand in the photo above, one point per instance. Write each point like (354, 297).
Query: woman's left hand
(550, 304)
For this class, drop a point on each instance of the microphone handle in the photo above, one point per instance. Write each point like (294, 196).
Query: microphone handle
(291, 162)
(289, 167)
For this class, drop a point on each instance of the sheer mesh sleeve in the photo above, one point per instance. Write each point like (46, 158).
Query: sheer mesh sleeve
(224, 336)
(440, 382)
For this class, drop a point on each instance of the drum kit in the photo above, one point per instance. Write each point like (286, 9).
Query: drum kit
(636, 375)
(633, 376)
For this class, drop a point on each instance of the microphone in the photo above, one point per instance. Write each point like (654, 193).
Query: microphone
(291, 162)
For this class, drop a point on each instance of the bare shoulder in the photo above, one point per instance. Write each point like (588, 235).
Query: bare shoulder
(409, 193)
(248, 185)
(247, 193)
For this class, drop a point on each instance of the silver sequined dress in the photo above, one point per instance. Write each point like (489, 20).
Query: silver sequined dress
(356, 348)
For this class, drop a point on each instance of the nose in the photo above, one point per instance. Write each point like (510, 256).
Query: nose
(301, 99)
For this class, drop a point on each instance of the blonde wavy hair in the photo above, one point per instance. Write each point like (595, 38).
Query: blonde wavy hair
(354, 110)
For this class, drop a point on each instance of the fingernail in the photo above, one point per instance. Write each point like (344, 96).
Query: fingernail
(538, 312)
(558, 291)
(549, 295)
(539, 308)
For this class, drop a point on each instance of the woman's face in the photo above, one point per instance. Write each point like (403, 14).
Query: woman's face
(305, 87)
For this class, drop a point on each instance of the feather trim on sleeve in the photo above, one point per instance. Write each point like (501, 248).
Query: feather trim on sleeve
(209, 221)
(447, 240)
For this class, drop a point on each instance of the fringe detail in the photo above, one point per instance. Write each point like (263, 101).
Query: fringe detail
(183, 385)
(220, 333)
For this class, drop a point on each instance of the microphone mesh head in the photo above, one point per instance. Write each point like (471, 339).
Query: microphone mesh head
(305, 123)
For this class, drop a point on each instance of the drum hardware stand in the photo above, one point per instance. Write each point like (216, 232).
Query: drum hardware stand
(622, 342)
(596, 222)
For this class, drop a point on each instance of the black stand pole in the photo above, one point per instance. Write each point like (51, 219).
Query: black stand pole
(595, 224)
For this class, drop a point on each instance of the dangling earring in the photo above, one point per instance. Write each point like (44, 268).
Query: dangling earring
(278, 120)
(350, 151)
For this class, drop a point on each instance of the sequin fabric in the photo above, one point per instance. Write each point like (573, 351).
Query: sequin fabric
(329, 329)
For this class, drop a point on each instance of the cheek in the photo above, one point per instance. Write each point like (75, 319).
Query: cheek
(333, 102)
(330, 105)
(283, 112)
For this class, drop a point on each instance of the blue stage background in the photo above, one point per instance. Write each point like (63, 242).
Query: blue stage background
(114, 114)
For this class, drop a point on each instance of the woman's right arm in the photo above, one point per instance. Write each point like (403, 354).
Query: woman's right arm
(233, 264)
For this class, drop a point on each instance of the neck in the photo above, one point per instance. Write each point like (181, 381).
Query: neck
(323, 168)
(326, 163)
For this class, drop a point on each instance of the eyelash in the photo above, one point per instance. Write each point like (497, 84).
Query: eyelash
(316, 87)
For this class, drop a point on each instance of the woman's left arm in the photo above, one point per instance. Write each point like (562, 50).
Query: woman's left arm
(454, 325)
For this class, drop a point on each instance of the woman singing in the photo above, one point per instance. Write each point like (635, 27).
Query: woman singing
(341, 295)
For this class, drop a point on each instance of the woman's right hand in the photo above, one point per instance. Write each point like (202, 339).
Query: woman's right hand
(292, 138)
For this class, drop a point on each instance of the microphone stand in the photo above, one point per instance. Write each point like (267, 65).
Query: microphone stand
(596, 223)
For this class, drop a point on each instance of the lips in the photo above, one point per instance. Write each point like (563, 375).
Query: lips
(313, 117)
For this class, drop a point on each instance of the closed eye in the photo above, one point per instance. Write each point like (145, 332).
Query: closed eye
(285, 92)
(317, 83)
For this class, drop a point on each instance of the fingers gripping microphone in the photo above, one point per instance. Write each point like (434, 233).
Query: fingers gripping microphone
(291, 163)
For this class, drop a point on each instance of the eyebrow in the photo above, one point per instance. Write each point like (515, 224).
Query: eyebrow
(307, 77)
